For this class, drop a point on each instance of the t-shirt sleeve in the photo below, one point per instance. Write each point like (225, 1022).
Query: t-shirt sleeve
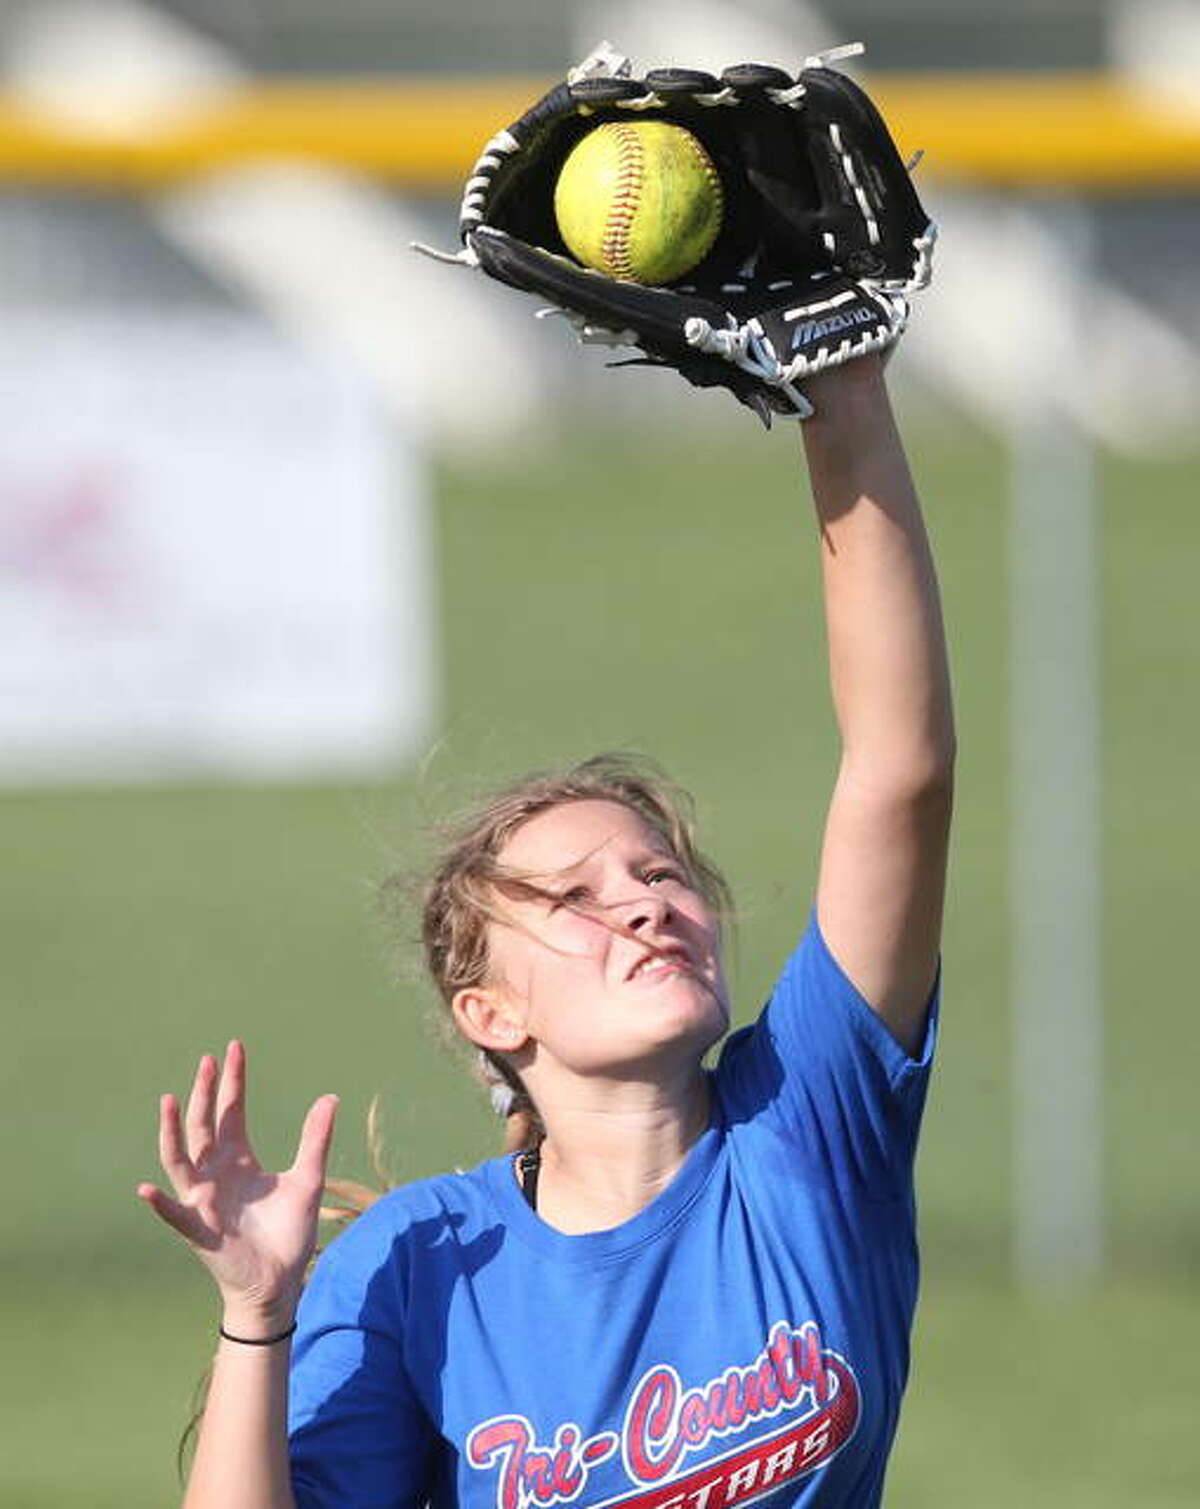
(357, 1432)
(821, 1068)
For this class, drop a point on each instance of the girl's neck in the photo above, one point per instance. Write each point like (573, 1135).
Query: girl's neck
(606, 1159)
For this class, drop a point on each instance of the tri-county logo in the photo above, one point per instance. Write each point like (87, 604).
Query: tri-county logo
(805, 1396)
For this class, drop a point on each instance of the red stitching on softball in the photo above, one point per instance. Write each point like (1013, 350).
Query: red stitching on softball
(614, 248)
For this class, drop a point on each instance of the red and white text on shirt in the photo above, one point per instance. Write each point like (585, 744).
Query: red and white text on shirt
(665, 1422)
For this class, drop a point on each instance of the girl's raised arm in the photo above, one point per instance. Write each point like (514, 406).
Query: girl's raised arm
(883, 863)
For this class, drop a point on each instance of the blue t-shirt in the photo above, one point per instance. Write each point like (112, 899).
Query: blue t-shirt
(743, 1338)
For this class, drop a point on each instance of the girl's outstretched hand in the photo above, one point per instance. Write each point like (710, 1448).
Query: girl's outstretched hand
(254, 1231)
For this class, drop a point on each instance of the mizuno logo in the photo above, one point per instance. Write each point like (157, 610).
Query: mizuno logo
(808, 332)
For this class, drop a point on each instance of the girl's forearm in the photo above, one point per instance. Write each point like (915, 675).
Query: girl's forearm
(888, 663)
(241, 1459)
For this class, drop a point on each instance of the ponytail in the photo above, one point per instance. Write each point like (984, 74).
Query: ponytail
(523, 1129)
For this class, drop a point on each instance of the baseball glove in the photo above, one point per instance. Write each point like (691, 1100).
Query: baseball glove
(823, 239)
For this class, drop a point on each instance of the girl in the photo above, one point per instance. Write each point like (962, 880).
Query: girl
(687, 1289)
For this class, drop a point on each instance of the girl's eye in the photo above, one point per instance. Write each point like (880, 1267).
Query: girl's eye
(656, 877)
(575, 896)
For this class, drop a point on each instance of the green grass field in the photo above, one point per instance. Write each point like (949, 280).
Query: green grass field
(655, 592)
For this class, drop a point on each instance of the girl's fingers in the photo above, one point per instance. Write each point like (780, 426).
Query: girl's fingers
(172, 1154)
(177, 1216)
(199, 1123)
(231, 1095)
(316, 1135)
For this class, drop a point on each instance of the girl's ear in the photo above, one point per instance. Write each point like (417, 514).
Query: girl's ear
(487, 1018)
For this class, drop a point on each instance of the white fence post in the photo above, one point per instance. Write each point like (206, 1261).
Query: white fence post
(1056, 850)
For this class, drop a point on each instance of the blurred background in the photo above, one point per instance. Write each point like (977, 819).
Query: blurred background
(305, 541)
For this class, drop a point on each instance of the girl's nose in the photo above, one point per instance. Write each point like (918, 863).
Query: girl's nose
(647, 910)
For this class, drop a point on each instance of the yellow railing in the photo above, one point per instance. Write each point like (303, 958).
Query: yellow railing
(1031, 131)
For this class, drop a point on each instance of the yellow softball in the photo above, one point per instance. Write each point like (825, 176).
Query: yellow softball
(639, 200)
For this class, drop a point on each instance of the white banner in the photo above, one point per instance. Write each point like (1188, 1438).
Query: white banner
(214, 557)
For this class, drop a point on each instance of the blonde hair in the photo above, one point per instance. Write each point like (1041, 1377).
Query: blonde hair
(460, 898)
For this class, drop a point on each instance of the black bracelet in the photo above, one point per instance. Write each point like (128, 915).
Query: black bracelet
(257, 1341)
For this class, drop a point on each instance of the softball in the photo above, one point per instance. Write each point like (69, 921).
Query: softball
(639, 200)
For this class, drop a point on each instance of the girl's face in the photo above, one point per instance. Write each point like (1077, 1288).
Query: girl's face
(617, 969)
